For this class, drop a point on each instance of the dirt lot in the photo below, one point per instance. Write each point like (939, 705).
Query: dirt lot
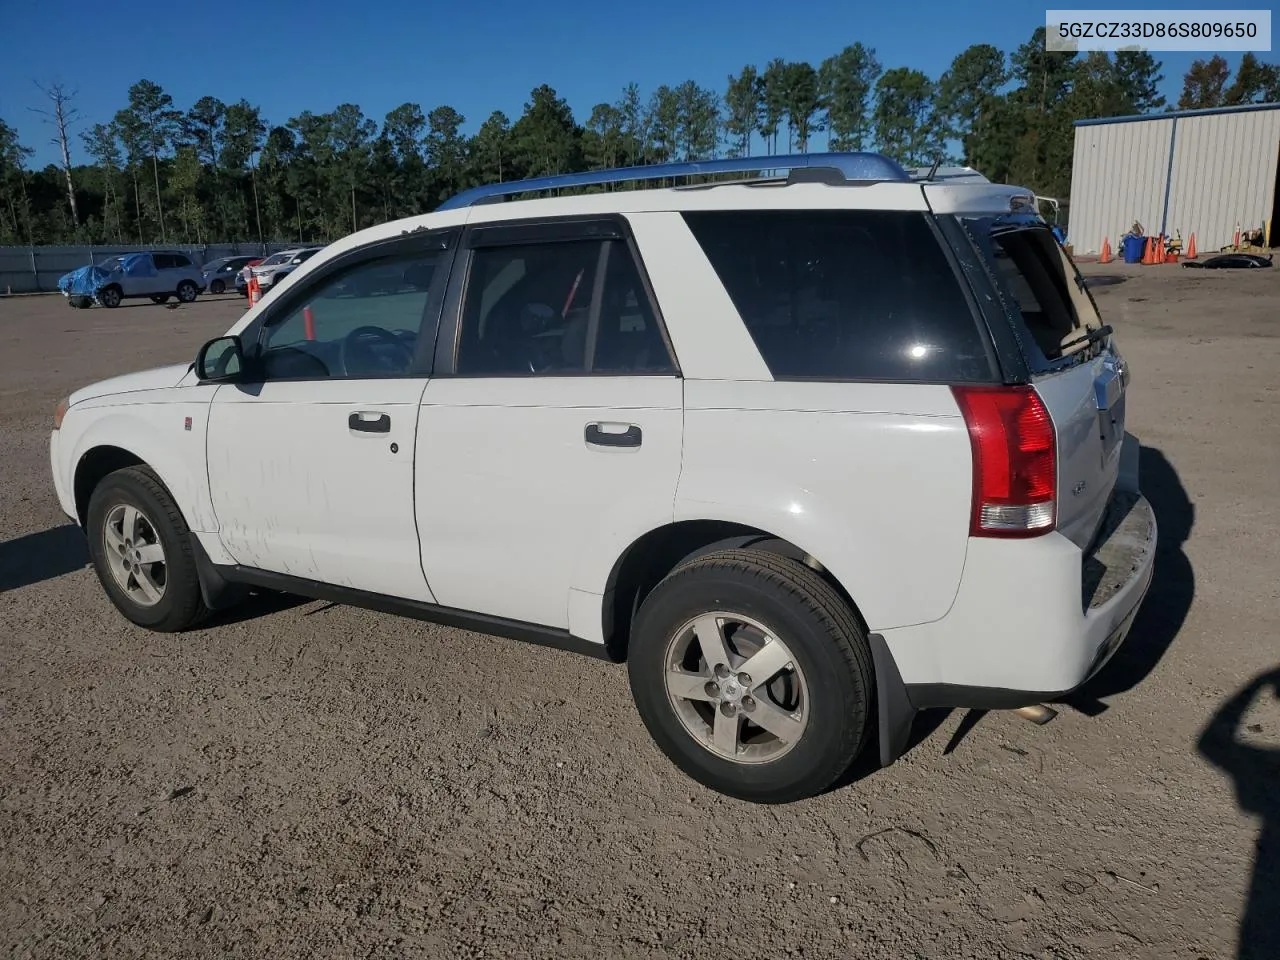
(310, 780)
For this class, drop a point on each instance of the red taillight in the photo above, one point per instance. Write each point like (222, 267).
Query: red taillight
(1015, 468)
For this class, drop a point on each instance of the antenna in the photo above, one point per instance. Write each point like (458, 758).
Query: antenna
(933, 171)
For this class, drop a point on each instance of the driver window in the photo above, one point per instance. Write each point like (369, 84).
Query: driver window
(361, 322)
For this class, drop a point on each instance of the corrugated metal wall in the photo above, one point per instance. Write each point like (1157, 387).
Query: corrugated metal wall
(1223, 171)
(1117, 176)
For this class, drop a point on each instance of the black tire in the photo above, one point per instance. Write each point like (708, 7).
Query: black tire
(217, 286)
(79, 302)
(824, 637)
(111, 296)
(181, 606)
(160, 298)
(187, 291)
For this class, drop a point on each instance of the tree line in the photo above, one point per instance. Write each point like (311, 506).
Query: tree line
(220, 172)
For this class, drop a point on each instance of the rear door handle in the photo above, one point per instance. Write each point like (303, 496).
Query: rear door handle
(629, 438)
(369, 422)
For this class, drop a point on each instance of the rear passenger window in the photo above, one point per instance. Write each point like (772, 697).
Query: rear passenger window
(179, 261)
(162, 261)
(560, 308)
(845, 294)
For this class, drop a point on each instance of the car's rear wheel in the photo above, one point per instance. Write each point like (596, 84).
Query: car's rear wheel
(752, 675)
(141, 550)
(160, 298)
(187, 291)
(110, 296)
(217, 286)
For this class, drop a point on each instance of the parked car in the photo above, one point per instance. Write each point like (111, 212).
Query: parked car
(157, 275)
(299, 258)
(281, 264)
(220, 273)
(808, 457)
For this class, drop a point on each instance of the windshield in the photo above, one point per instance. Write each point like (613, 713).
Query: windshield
(110, 263)
(274, 259)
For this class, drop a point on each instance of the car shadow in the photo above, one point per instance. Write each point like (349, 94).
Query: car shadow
(259, 603)
(42, 556)
(1255, 773)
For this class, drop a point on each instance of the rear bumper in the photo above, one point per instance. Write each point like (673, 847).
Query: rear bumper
(1032, 621)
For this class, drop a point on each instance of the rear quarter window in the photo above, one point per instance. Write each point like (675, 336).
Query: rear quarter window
(846, 294)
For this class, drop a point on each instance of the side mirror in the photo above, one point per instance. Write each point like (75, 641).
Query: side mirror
(221, 360)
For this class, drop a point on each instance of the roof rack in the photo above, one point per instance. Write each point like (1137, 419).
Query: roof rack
(831, 168)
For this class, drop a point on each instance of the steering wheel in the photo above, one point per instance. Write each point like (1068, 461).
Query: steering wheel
(373, 350)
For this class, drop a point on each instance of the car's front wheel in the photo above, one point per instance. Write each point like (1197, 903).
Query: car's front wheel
(752, 675)
(187, 291)
(110, 296)
(141, 550)
(217, 286)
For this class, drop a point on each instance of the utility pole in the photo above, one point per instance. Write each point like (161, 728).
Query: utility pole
(62, 116)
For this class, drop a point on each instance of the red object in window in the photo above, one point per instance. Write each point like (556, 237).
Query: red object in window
(573, 292)
(1015, 468)
(308, 323)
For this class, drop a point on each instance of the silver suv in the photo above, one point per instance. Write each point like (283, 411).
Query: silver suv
(157, 275)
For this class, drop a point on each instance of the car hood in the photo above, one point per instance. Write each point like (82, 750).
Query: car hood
(154, 379)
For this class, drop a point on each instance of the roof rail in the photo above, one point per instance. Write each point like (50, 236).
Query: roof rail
(835, 167)
(953, 174)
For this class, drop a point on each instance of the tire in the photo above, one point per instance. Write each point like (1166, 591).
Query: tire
(179, 605)
(79, 302)
(827, 656)
(111, 296)
(217, 286)
(187, 291)
(160, 298)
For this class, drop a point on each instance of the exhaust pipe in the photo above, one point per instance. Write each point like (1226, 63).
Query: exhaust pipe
(1037, 713)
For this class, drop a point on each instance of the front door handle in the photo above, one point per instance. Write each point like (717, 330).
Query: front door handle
(369, 422)
(629, 438)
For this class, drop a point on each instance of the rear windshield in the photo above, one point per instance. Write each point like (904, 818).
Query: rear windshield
(845, 294)
(1040, 285)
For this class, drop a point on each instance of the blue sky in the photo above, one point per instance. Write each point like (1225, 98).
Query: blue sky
(476, 57)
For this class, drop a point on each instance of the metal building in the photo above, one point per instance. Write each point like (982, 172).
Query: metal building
(1201, 171)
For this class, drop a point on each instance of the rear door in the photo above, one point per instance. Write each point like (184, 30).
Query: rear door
(553, 423)
(1081, 383)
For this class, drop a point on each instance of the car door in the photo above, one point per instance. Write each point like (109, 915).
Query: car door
(166, 279)
(311, 465)
(139, 275)
(554, 422)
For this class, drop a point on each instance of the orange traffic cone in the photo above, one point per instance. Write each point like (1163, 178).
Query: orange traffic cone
(1105, 256)
(1191, 247)
(1148, 251)
(255, 290)
(1158, 255)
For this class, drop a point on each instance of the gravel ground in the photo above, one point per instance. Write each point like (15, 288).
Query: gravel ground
(309, 780)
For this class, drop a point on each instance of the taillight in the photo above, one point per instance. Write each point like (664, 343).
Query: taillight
(1015, 469)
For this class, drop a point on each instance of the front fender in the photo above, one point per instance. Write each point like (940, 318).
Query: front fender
(166, 432)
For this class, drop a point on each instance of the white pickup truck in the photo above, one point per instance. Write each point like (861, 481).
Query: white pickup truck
(810, 451)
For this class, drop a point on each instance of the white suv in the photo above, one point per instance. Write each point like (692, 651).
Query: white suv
(811, 452)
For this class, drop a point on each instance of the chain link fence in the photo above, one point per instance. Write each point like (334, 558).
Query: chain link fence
(37, 269)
